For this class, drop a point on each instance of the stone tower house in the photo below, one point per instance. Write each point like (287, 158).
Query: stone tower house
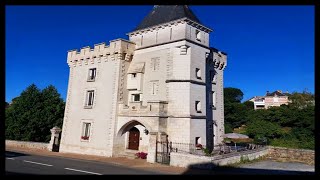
(164, 83)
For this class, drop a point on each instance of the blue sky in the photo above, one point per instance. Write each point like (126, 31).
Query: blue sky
(268, 47)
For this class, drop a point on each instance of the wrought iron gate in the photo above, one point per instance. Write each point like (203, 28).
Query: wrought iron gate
(163, 152)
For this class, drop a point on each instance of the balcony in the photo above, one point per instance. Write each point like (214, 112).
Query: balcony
(153, 108)
(259, 102)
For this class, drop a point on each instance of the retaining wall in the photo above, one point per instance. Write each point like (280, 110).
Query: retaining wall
(27, 144)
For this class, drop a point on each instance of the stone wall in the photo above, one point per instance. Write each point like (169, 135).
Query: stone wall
(27, 144)
(288, 154)
(206, 162)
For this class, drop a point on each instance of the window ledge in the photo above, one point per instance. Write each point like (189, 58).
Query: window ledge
(90, 80)
(88, 107)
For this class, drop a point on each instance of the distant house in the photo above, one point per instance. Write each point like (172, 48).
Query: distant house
(276, 98)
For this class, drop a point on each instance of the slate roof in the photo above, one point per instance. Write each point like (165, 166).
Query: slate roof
(166, 13)
(277, 93)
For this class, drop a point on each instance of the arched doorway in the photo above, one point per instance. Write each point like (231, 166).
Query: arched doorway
(134, 138)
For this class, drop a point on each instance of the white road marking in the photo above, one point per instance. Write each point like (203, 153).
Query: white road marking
(10, 158)
(37, 163)
(82, 171)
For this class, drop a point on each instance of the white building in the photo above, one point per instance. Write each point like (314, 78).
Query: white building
(274, 99)
(163, 84)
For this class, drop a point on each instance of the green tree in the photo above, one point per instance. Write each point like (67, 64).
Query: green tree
(232, 95)
(288, 125)
(227, 128)
(31, 115)
(236, 114)
(301, 100)
(249, 105)
(260, 128)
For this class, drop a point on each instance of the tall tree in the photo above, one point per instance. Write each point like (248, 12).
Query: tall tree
(31, 115)
(232, 95)
(301, 100)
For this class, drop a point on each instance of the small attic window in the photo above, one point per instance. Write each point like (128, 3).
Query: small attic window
(198, 35)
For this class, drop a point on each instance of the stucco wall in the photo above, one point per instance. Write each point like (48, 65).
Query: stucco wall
(102, 115)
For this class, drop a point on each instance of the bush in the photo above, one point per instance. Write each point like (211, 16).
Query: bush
(141, 155)
(206, 152)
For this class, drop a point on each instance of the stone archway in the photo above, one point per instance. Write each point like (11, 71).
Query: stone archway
(132, 136)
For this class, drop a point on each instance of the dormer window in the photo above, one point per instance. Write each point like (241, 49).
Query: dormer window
(198, 35)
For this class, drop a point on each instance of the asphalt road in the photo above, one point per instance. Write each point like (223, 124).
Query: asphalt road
(28, 164)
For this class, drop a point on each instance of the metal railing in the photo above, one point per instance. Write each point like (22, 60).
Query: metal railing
(221, 149)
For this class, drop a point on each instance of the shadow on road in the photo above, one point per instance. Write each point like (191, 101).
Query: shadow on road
(11, 154)
(17, 174)
(224, 170)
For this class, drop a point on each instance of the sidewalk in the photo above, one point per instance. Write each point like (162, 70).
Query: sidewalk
(122, 161)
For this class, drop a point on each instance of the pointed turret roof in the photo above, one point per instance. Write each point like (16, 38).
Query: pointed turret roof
(166, 13)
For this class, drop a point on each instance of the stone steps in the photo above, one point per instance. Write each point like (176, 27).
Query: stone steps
(131, 154)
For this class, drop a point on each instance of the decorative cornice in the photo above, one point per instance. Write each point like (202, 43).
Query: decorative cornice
(175, 22)
(183, 39)
(191, 116)
(142, 116)
(190, 81)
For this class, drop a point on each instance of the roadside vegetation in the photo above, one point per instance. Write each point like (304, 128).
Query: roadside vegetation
(289, 126)
(30, 116)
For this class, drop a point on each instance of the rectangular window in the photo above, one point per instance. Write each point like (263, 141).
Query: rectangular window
(92, 74)
(154, 87)
(198, 106)
(86, 131)
(198, 73)
(136, 97)
(155, 63)
(89, 99)
(213, 77)
(198, 140)
(198, 35)
(213, 98)
(141, 40)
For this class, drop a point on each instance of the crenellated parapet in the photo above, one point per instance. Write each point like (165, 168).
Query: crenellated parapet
(218, 58)
(117, 49)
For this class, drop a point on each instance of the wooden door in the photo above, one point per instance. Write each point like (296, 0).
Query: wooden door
(134, 137)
